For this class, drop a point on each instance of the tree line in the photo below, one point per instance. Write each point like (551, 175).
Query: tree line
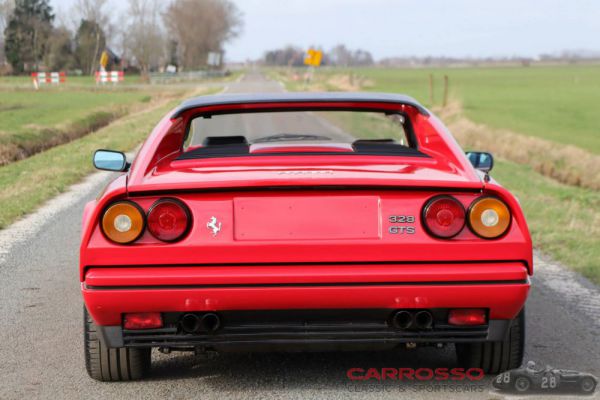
(149, 34)
(340, 55)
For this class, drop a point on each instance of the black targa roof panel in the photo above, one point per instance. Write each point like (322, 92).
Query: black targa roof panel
(296, 97)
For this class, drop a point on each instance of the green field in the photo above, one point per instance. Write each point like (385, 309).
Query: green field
(34, 120)
(20, 109)
(554, 103)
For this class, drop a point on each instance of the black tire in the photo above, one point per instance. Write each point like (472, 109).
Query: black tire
(496, 357)
(588, 385)
(111, 364)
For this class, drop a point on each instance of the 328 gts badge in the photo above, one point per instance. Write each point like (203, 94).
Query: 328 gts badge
(408, 229)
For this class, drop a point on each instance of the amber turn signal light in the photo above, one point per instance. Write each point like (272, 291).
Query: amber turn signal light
(489, 217)
(123, 222)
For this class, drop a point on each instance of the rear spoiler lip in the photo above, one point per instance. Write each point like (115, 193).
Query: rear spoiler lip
(472, 188)
(297, 98)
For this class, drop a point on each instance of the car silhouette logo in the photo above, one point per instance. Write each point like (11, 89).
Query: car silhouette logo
(545, 380)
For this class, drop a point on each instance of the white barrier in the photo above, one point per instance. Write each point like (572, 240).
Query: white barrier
(109, 77)
(43, 78)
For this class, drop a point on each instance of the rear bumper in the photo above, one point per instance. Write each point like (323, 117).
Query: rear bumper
(501, 288)
(299, 330)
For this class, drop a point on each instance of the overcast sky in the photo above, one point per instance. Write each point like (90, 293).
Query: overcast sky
(390, 28)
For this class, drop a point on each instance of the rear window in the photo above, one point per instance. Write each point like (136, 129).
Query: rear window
(294, 126)
(367, 131)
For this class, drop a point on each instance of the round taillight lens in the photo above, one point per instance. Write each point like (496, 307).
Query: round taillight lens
(123, 222)
(444, 216)
(489, 217)
(168, 220)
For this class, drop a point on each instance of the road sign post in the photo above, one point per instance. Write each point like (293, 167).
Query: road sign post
(313, 59)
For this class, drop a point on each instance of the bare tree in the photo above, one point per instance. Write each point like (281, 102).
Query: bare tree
(93, 10)
(94, 13)
(144, 36)
(342, 56)
(6, 9)
(200, 27)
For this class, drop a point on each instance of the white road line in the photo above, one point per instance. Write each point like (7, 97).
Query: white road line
(26, 228)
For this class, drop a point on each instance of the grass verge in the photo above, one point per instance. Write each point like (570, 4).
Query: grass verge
(564, 163)
(23, 145)
(26, 184)
(564, 220)
(33, 121)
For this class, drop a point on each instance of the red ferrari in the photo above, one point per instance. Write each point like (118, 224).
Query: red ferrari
(302, 222)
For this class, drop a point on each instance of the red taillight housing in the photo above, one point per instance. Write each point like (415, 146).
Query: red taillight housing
(146, 320)
(467, 316)
(168, 220)
(443, 217)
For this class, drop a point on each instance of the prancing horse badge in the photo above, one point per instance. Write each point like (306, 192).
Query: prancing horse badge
(214, 225)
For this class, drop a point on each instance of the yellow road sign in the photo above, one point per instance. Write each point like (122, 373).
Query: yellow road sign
(313, 57)
(104, 59)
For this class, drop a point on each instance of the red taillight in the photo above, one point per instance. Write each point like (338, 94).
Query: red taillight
(444, 216)
(168, 220)
(467, 316)
(147, 320)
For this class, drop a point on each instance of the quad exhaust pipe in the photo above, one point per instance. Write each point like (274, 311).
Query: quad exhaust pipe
(404, 319)
(193, 323)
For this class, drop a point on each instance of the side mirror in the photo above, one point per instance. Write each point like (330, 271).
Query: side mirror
(481, 160)
(109, 160)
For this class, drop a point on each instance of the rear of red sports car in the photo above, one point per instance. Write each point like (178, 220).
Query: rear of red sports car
(301, 222)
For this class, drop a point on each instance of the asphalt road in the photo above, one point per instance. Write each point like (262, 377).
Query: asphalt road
(41, 345)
